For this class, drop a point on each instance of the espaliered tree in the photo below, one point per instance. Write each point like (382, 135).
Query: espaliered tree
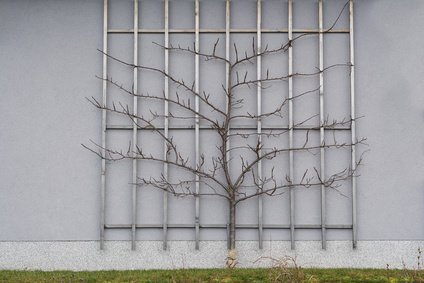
(220, 179)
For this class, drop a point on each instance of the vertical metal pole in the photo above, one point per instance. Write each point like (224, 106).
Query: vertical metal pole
(134, 143)
(103, 172)
(353, 125)
(227, 86)
(227, 50)
(259, 111)
(321, 117)
(166, 124)
(196, 129)
(291, 167)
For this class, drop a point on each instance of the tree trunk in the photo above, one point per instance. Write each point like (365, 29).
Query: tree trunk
(232, 253)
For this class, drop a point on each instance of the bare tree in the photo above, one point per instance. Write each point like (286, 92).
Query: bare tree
(221, 179)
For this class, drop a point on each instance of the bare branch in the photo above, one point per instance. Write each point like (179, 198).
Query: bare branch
(277, 151)
(178, 82)
(285, 77)
(207, 57)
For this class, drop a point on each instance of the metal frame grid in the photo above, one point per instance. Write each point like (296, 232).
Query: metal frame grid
(166, 31)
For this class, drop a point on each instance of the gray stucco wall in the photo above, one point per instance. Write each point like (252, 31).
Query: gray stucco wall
(49, 185)
(49, 59)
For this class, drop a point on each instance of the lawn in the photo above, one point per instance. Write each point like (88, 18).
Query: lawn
(218, 275)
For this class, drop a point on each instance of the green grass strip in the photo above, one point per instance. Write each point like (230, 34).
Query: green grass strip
(218, 275)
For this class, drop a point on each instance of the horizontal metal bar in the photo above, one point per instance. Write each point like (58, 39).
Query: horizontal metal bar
(224, 226)
(245, 127)
(253, 31)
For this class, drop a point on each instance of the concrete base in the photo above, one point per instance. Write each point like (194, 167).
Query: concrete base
(85, 255)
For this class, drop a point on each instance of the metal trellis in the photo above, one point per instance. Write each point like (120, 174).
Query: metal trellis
(198, 128)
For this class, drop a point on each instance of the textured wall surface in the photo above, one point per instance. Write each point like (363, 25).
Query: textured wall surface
(49, 185)
(85, 255)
